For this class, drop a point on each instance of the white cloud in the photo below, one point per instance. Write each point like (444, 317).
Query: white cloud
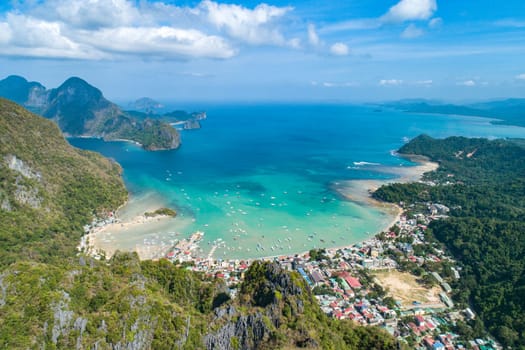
(424, 82)
(435, 23)
(294, 43)
(339, 49)
(164, 42)
(328, 84)
(510, 22)
(5, 33)
(409, 10)
(412, 32)
(390, 82)
(354, 24)
(28, 36)
(520, 76)
(255, 26)
(108, 29)
(92, 14)
(313, 38)
(467, 83)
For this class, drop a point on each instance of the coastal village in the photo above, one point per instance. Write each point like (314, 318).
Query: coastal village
(400, 280)
(371, 283)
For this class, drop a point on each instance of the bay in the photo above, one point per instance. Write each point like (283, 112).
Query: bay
(260, 180)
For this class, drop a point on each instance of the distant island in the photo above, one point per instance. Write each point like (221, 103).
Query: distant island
(81, 110)
(508, 111)
(146, 107)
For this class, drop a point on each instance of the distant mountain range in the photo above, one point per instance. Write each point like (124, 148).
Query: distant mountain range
(80, 109)
(508, 111)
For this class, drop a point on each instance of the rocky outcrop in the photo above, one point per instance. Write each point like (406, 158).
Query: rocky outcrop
(25, 192)
(192, 124)
(269, 289)
(246, 332)
(3, 290)
(21, 167)
(62, 318)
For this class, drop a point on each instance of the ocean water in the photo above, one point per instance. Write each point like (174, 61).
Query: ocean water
(259, 179)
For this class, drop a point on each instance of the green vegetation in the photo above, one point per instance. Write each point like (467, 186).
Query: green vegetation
(161, 211)
(43, 211)
(317, 254)
(483, 182)
(151, 134)
(153, 305)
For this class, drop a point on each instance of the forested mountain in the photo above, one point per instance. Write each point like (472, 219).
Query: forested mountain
(483, 182)
(48, 189)
(80, 109)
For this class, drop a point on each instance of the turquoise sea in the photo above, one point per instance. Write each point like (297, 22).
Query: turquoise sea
(260, 178)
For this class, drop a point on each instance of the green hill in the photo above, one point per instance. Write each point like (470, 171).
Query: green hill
(48, 189)
(483, 182)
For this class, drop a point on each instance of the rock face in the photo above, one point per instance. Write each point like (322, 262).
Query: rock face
(25, 193)
(248, 332)
(19, 166)
(80, 109)
(272, 293)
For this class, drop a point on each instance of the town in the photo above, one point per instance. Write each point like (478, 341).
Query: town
(399, 280)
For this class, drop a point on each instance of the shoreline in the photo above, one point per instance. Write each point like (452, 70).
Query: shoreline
(103, 139)
(359, 191)
(409, 174)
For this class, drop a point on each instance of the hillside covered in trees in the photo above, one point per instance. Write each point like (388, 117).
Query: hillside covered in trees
(483, 182)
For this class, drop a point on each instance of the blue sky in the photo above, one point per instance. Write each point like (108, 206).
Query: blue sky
(330, 50)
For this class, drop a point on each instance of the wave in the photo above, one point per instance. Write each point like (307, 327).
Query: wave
(365, 163)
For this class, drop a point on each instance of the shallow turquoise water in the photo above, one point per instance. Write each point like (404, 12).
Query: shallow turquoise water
(260, 177)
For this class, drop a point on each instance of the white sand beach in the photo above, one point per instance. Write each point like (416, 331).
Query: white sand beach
(150, 237)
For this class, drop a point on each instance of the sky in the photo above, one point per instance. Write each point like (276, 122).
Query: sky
(312, 51)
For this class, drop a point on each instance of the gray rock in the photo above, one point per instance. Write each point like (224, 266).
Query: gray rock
(26, 195)
(250, 331)
(62, 317)
(3, 290)
(80, 325)
(19, 166)
(6, 205)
